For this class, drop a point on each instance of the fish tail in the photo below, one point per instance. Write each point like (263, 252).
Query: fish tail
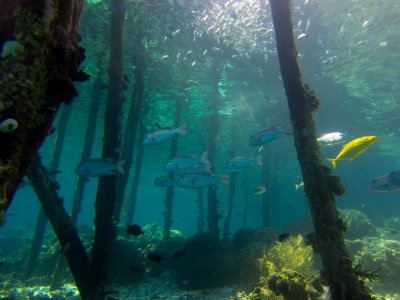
(297, 186)
(121, 166)
(182, 128)
(258, 160)
(204, 158)
(288, 129)
(208, 168)
(225, 179)
(333, 161)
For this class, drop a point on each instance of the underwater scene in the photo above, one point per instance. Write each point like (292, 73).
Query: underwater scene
(174, 168)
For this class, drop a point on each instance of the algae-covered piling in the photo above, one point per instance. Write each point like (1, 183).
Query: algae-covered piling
(49, 57)
(328, 226)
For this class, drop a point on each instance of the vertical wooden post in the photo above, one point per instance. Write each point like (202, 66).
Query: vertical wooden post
(136, 175)
(170, 190)
(200, 214)
(133, 119)
(213, 216)
(320, 186)
(107, 187)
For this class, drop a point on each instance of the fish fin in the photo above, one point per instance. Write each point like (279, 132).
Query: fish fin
(208, 168)
(225, 179)
(297, 186)
(333, 161)
(204, 158)
(121, 166)
(182, 128)
(259, 150)
(288, 129)
(258, 160)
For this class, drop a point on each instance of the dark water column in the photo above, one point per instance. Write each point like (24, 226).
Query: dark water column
(48, 31)
(266, 208)
(320, 186)
(200, 214)
(246, 201)
(66, 233)
(170, 190)
(132, 198)
(231, 197)
(107, 188)
(232, 187)
(213, 217)
(59, 271)
(276, 201)
(133, 119)
(41, 218)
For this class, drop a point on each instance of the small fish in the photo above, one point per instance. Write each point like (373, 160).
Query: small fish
(200, 180)
(241, 163)
(165, 181)
(260, 190)
(179, 253)
(186, 161)
(300, 185)
(381, 184)
(269, 134)
(366, 23)
(193, 63)
(8, 125)
(383, 44)
(302, 36)
(353, 149)
(134, 230)
(205, 52)
(155, 257)
(176, 32)
(283, 236)
(332, 138)
(394, 178)
(187, 54)
(163, 134)
(164, 56)
(99, 166)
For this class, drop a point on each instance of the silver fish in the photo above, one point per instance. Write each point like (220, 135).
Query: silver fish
(99, 166)
(163, 134)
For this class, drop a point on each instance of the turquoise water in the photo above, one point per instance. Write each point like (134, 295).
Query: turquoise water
(202, 52)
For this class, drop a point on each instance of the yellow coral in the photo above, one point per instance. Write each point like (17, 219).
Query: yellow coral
(291, 254)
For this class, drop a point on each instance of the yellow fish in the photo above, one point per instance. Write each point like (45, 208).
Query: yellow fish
(353, 149)
(260, 190)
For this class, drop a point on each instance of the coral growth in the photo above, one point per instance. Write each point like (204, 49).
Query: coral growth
(291, 254)
(358, 225)
(288, 272)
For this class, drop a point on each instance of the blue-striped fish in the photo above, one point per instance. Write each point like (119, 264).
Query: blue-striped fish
(269, 134)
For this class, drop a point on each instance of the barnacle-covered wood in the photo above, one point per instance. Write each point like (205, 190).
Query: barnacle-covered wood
(34, 79)
(320, 186)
